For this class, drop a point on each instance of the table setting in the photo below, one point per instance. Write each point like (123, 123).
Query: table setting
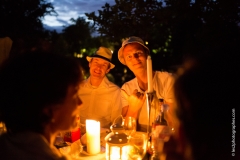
(122, 141)
(81, 150)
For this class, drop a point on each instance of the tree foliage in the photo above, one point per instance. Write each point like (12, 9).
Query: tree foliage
(203, 25)
(77, 34)
(172, 28)
(126, 17)
(21, 20)
(79, 39)
(23, 17)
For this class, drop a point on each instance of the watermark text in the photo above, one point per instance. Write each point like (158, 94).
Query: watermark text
(233, 131)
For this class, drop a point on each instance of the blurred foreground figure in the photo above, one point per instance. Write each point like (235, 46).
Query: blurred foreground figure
(38, 99)
(206, 93)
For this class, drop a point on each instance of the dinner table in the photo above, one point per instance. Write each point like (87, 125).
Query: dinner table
(78, 151)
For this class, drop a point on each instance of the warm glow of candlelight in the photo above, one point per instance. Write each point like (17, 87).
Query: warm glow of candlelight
(93, 136)
(115, 152)
(149, 74)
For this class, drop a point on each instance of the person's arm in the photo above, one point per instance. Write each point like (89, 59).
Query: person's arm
(135, 103)
(124, 111)
(129, 113)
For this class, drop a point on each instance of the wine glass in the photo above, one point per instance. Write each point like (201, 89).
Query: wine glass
(129, 125)
(137, 146)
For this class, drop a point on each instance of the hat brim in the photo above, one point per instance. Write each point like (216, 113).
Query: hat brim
(90, 58)
(120, 52)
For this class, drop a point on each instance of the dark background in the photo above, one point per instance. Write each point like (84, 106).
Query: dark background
(174, 30)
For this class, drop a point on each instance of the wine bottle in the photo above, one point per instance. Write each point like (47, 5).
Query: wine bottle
(160, 118)
(159, 133)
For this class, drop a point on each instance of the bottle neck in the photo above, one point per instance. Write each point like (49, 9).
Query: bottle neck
(161, 119)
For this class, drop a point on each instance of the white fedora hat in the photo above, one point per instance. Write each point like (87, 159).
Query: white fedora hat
(103, 53)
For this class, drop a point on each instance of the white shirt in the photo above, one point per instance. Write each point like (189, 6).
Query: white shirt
(102, 103)
(162, 85)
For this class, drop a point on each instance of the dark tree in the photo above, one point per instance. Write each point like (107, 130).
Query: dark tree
(77, 35)
(126, 18)
(23, 17)
(21, 20)
(172, 28)
(203, 25)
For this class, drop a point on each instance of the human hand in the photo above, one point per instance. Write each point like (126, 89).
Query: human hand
(135, 100)
(84, 139)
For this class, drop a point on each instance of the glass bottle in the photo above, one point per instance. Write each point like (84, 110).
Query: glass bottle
(153, 108)
(160, 131)
(160, 120)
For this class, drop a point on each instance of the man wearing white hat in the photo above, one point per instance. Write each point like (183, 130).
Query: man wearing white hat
(101, 98)
(133, 54)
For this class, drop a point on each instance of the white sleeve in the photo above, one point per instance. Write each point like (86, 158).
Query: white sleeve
(168, 88)
(123, 98)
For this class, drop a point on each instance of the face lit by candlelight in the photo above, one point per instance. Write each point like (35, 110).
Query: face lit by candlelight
(135, 57)
(99, 67)
(65, 114)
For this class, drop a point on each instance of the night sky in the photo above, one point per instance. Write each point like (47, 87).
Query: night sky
(68, 9)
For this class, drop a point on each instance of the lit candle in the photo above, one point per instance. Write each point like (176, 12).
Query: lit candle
(149, 74)
(93, 136)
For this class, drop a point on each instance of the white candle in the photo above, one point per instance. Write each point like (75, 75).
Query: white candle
(149, 74)
(93, 136)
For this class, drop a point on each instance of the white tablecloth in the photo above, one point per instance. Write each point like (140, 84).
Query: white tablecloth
(77, 152)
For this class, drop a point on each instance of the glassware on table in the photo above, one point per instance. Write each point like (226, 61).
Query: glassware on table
(129, 125)
(137, 146)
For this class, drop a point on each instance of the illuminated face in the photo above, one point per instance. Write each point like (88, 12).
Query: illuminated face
(135, 57)
(99, 68)
(66, 113)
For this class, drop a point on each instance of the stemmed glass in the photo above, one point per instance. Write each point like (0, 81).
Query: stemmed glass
(137, 146)
(129, 125)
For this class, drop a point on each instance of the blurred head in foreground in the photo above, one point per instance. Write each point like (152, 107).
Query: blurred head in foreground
(205, 93)
(38, 99)
(38, 93)
(39, 90)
